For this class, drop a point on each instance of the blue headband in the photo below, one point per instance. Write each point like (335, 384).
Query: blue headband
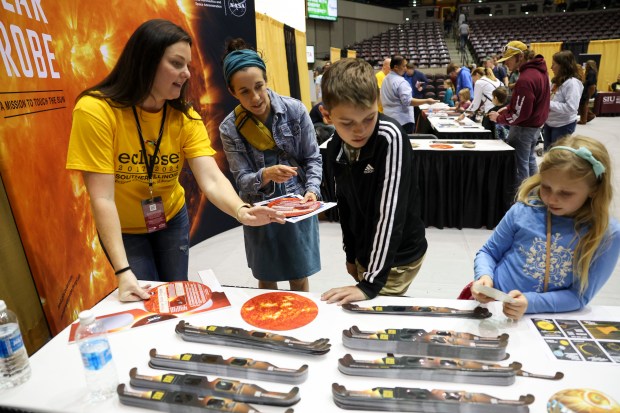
(584, 153)
(239, 59)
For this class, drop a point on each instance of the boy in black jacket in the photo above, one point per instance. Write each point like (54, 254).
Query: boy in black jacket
(377, 192)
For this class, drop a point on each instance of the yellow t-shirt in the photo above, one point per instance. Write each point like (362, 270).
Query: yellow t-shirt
(105, 140)
(380, 76)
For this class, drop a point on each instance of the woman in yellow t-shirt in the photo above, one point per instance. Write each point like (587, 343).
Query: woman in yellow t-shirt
(130, 136)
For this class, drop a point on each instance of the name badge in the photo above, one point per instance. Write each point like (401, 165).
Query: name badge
(154, 215)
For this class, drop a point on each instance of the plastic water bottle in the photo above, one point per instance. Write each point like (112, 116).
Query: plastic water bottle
(14, 364)
(99, 369)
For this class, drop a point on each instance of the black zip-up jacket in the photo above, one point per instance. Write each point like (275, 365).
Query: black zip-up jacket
(379, 203)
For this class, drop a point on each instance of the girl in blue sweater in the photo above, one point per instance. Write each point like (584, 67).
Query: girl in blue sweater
(557, 246)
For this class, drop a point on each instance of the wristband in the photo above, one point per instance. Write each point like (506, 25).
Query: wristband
(122, 270)
(239, 209)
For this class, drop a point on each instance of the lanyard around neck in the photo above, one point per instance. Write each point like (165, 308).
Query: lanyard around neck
(150, 166)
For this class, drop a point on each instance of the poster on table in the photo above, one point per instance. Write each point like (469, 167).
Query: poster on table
(49, 53)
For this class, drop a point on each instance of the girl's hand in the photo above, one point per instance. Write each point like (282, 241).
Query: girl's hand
(515, 310)
(487, 281)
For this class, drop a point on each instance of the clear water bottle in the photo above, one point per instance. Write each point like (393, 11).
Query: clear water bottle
(14, 364)
(99, 369)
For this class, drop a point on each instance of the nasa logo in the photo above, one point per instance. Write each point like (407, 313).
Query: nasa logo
(237, 7)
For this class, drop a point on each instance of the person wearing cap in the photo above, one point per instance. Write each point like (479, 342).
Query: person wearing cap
(529, 105)
(271, 147)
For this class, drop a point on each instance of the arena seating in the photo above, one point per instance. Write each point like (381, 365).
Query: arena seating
(488, 36)
(420, 42)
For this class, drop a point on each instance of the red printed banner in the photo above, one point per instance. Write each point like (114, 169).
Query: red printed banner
(50, 52)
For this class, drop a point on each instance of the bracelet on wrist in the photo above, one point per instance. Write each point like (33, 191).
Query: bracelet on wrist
(122, 270)
(239, 209)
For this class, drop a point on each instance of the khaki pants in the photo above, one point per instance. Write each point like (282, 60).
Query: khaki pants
(399, 278)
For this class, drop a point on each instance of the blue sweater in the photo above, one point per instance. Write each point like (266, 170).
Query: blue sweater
(514, 256)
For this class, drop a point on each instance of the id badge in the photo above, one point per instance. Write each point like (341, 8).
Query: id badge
(154, 215)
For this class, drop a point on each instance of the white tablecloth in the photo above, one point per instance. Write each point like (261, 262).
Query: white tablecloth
(481, 145)
(57, 382)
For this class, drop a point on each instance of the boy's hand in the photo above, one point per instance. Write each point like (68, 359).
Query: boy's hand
(517, 309)
(487, 282)
(343, 295)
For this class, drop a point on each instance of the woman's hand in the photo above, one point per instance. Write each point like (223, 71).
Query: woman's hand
(486, 281)
(493, 115)
(259, 215)
(516, 309)
(129, 289)
(309, 197)
(343, 295)
(279, 173)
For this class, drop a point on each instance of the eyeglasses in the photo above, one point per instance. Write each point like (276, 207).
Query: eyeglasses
(511, 48)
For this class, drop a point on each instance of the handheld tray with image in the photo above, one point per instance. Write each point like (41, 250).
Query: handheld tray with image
(477, 313)
(293, 206)
(422, 343)
(238, 337)
(437, 369)
(244, 368)
(203, 387)
(405, 399)
(181, 402)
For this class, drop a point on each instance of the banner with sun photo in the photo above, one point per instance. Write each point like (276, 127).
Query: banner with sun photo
(50, 52)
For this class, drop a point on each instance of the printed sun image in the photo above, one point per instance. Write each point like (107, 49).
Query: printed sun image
(279, 311)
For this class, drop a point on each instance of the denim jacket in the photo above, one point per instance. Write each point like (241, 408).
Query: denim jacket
(293, 133)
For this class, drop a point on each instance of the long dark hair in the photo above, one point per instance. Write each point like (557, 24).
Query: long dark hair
(568, 68)
(591, 67)
(131, 80)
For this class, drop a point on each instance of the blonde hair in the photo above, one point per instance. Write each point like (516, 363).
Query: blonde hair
(448, 83)
(593, 216)
(350, 81)
(465, 94)
(484, 71)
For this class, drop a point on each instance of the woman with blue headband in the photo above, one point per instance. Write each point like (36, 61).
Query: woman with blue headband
(130, 136)
(557, 246)
(271, 147)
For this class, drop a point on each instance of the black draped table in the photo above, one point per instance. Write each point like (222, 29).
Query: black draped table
(445, 126)
(461, 187)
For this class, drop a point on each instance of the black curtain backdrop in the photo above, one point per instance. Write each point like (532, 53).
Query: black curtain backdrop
(291, 61)
(577, 46)
(213, 28)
